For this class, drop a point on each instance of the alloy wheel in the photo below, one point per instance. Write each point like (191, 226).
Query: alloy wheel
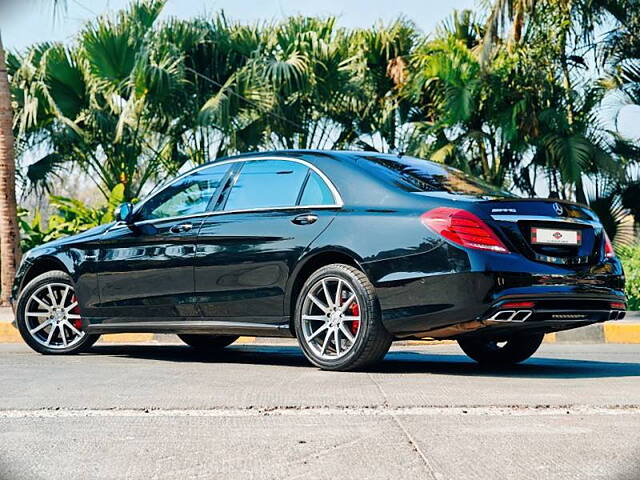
(331, 319)
(52, 316)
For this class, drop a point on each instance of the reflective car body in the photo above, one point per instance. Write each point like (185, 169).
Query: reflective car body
(236, 264)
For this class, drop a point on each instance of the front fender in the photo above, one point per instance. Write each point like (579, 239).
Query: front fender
(37, 263)
(78, 261)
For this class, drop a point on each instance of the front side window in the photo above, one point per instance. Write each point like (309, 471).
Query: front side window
(188, 196)
(267, 184)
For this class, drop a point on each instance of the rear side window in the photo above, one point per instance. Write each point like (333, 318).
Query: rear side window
(188, 196)
(424, 176)
(267, 183)
(316, 191)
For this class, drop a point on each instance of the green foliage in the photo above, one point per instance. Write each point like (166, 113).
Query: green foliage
(630, 256)
(504, 94)
(31, 232)
(71, 217)
(133, 98)
(98, 104)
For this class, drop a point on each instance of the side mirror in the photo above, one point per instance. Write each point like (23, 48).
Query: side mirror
(124, 213)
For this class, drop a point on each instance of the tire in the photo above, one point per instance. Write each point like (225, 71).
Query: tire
(208, 342)
(57, 336)
(515, 350)
(369, 342)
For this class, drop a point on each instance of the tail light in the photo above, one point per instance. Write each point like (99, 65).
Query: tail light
(463, 228)
(609, 252)
(617, 306)
(518, 305)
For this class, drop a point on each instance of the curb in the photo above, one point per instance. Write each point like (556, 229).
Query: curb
(599, 333)
(622, 331)
(10, 334)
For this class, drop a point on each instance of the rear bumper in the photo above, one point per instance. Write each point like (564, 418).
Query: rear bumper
(562, 309)
(421, 307)
(546, 316)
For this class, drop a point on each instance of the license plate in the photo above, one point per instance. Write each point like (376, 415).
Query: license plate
(552, 236)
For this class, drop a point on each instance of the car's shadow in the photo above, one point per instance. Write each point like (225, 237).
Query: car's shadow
(405, 362)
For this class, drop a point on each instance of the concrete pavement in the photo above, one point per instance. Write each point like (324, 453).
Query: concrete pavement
(260, 411)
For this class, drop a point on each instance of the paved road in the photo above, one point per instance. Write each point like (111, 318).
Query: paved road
(162, 411)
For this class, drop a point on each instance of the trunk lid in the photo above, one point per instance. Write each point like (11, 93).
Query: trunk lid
(536, 228)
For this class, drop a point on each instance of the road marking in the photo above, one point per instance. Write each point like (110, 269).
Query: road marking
(292, 411)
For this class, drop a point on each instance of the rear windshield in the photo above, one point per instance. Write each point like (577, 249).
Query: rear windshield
(424, 176)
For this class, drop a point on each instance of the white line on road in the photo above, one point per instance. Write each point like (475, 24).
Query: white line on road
(310, 411)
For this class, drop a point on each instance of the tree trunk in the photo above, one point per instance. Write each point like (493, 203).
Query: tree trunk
(9, 235)
(518, 23)
(568, 90)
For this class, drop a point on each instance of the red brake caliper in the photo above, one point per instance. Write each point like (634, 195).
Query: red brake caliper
(76, 322)
(355, 311)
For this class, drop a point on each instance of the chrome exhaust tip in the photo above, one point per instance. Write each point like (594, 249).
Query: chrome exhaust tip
(510, 316)
(617, 314)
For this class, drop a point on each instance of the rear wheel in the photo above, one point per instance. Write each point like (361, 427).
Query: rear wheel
(338, 321)
(494, 352)
(48, 316)
(208, 342)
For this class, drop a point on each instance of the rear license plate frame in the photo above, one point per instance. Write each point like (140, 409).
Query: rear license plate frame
(557, 237)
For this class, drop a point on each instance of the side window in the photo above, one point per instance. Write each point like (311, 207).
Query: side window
(267, 183)
(188, 196)
(316, 192)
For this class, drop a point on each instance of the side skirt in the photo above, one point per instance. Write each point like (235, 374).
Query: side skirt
(204, 326)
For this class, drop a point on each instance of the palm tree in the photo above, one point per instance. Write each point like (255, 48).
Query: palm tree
(508, 122)
(103, 105)
(476, 119)
(134, 98)
(503, 11)
(621, 57)
(9, 233)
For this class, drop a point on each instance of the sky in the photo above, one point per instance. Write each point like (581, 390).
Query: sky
(24, 22)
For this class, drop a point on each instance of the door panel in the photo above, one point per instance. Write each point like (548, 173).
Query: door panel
(243, 260)
(147, 271)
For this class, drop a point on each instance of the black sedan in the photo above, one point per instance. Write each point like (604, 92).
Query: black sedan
(346, 251)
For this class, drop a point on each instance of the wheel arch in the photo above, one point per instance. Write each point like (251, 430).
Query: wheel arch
(308, 265)
(40, 265)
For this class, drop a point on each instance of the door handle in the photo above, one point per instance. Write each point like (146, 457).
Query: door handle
(184, 227)
(306, 219)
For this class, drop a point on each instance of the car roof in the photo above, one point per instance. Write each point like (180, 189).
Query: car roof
(295, 153)
(355, 184)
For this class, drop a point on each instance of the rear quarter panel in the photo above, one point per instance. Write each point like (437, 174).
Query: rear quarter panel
(424, 282)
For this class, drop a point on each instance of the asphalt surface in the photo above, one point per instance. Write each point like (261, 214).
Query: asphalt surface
(163, 411)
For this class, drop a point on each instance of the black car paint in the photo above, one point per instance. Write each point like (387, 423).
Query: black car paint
(132, 260)
(237, 272)
(248, 257)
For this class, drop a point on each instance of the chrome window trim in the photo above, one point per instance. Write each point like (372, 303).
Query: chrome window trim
(541, 218)
(337, 198)
(228, 212)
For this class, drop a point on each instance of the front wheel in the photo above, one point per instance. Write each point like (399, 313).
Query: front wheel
(338, 321)
(513, 350)
(48, 316)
